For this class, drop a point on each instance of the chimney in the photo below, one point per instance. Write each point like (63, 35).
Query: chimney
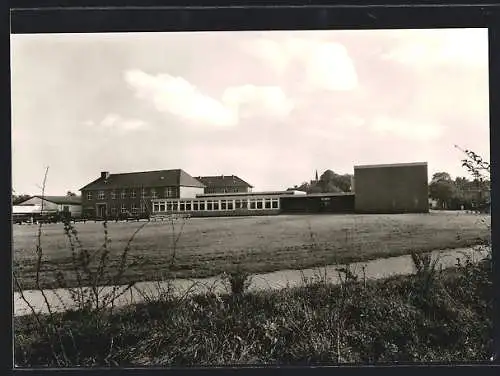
(222, 176)
(105, 175)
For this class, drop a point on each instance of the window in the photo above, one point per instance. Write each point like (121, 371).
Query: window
(113, 195)
(124, 208)
(230, 205)
(89, 195)
(253, 204)
(175, 206)
(156, 207)
(276, 203)
(143, 193)
(169, 192)
(202, 205)
(259, 204)
(153, 193)
(237, 204)
(100, 195)
(196, 206)
(188, 206)
(132, 193)
(267, 203)
(124, 194)
(162, 206)
(244, 204)
(134, 208)
(182, 206)
(169, 206)
(113, 210)
(223, 205)
(210, 205)
(216, 205)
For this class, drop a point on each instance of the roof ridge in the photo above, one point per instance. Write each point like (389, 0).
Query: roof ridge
(145, 172)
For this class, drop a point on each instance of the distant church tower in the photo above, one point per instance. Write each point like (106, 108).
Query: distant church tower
(316, 180)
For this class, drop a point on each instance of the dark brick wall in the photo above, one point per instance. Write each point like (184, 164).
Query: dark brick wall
(327, 204)
(88, 206)
(394, 189)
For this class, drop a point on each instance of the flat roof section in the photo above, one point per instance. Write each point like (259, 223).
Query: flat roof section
(264, 193)
(391, 165)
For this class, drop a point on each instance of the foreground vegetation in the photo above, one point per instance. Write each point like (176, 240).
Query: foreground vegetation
(431, 316)
(211, 246)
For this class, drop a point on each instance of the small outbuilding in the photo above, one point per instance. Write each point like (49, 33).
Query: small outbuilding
(37, 205)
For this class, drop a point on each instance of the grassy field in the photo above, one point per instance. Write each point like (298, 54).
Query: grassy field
(210, 246)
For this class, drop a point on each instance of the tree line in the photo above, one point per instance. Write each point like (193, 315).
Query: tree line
(329, 182)
(459, 193)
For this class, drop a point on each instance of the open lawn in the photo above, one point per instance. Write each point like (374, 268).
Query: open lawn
(210, 246)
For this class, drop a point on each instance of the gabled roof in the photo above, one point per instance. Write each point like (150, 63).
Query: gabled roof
(61, 200)
(222, 181)
(161, 178)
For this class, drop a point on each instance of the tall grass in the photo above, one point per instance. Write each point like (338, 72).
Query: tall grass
(373, 322)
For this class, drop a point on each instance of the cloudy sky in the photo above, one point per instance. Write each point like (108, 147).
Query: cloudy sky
(270, 107)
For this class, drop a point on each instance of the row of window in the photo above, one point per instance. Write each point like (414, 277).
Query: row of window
(125, 209)
(101, 195)
(212, 205)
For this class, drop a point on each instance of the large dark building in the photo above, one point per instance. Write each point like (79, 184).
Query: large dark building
(391, 188)
(112, 195)
(224, 184)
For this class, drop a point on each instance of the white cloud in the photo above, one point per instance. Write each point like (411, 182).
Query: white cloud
(410, 129)
(117, 122)
(177, 96)
(250, 99)
(467, 47)
(326, 65)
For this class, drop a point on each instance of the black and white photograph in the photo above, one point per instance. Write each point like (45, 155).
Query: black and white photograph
(251, 198)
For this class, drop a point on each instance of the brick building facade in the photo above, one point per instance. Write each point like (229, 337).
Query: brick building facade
(113, 195)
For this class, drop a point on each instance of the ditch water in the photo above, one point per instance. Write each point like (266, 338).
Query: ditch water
(60, 299)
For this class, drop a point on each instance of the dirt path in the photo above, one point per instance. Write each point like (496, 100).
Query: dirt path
(60, 299)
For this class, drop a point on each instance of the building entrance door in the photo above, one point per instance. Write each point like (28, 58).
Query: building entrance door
(101, 210)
